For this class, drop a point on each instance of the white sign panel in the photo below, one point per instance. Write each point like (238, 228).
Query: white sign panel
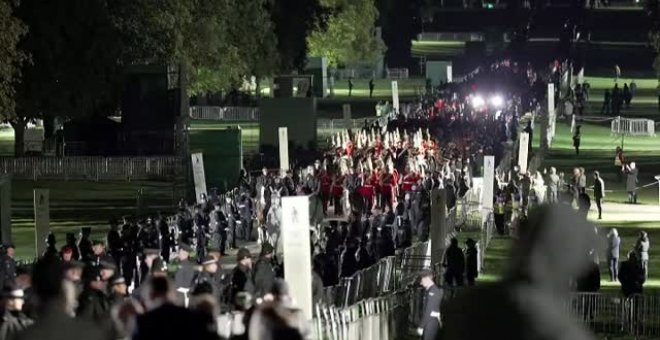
(522, 152)
(450, 74)
(284, 148)
(41, 219)
(395, 95)
(348, 122)
(489, 182)
(297, 256)
(551, 98)
(198, 175)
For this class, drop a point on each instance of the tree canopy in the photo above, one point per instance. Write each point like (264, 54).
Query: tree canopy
(346, 34)
(11, 57)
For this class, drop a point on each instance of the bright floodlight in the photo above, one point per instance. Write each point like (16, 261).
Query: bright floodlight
(477, 102)
(497, 101)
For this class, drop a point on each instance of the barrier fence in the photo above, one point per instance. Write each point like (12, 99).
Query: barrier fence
(633, 126)
(227, 113)
(395, 315)
(93, 168)
(396, 73)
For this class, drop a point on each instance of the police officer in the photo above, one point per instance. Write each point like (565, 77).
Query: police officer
(212, 277)
(241, 277)
(113, 239)
(245, 212)
(185, 274)
(8, 264)
(264, 272)
(85, 244)
(431, 322)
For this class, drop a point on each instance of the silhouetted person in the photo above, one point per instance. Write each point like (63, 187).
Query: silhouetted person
(631, 171)
(471, 261)
(350, 86)
(607, 103)
(371, 88)
(164, 320)
(599, 193)
(455, 263)
(631, 276)
(577, 136)
(627, 95)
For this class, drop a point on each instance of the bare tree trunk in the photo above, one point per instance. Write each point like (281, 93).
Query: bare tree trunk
(19, 137)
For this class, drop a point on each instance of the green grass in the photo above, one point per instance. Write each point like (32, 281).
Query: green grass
(597, 153)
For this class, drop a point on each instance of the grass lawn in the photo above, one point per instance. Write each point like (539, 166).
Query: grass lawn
(597, 153)
(437, 49)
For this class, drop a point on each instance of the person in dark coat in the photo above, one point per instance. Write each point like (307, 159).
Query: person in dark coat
(94, 304)
(455, 263)
(431, 322)
(213, 277)
(85, 244)
(113, 238)
(599, 193)
(613, 245)
(14, 320)
(164, 320)
(471, 261)
(53, 310)
(577, 137)
(241, 277)
(264, 272)
(99, 255)
(185, 274)
(8, 264)
(631, 276)
(348, 264)
(584, 204)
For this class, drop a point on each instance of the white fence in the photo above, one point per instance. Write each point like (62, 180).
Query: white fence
(397, 73)
(633, 126)
(228, 113)
(93, 168)
(357, 73)
(451, 36)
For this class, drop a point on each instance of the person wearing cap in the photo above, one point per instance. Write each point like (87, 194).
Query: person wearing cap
(264, 272)
(241, 277)
(99, 255)
(13, 320)
(85, 244)
(107, 270)
(118, 290)
(94, 305)
(211, 276)
(185, 274)
(8, 264)
(431, 322)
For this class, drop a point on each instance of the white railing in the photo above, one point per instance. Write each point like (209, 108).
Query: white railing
(227, 113)
(397, 73)
(357, 73)
(633, 127)
(92, 168)
(448, 36)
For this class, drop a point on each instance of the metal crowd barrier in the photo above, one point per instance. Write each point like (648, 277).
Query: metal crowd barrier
(227, 113)
(633, 126)
(388, 274)
(93, 167)
(397, 73)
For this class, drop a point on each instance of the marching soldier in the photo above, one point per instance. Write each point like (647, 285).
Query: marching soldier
(429, 327)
